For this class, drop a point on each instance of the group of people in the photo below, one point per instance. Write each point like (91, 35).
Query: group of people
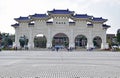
(58, 48)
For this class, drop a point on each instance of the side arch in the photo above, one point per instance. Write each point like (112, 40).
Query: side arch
(97, 41)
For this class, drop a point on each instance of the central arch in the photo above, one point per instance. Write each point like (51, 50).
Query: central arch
(40, 41)
(60, 39)
(80, 41)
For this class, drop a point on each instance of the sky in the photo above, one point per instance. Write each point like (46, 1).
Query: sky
(10, 9)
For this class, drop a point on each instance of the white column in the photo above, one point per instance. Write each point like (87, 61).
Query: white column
(31, 39)
(104, 45)
(49, 39)
(16, 44)
(31, 43)
(89, 43)
(49, 43)
(71, 43)
(90, 40)
(71, 39)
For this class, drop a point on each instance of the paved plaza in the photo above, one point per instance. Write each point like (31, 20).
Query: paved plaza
(61, 64)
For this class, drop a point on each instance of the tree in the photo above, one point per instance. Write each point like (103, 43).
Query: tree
(118, 36)
(6, 40)
(40, 41)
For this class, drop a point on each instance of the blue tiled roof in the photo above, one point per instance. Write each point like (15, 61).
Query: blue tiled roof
(72, 22)
(22, 18)
(89, 24)
(39, 15)
(49, 22)
(107, 26)
(16, 24)
(82, 16)
(31, 24)
(54, 11)
(99, 19)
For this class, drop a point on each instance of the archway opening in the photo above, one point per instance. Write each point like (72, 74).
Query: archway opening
(80, 41)
(23, 40)
(97, 42)
(60, 40)
(40, 41)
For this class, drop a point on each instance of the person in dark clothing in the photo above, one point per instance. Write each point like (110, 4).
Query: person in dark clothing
(57, 48)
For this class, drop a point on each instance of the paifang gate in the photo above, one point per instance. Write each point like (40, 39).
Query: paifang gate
(62, 27)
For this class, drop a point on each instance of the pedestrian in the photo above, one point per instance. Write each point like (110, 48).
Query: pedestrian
(57, 48)
(68, 48)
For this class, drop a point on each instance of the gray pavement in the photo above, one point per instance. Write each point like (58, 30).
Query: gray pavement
(61, 64)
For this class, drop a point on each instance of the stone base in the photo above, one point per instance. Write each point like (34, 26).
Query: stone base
(89, 46)
(49, 45)
(104, 46)
(72, 45)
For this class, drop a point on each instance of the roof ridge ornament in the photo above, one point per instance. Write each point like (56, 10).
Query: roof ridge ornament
(61, 11)
(99, 19)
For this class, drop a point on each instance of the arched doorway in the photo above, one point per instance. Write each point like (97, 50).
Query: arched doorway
(97, 42)
(80, 41)
(61, 40)
(40, 41)
(23, 40)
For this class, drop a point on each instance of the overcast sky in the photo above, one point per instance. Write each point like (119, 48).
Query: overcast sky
(10, 9)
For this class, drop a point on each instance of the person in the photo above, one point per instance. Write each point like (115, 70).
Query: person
(71, 49)
(15, 47)
(90, 49)
(68, 48)
(57, 48)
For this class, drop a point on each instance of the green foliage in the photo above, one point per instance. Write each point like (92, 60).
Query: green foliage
(40, 42)
(22, 42)
(66, 44)
(7, 40)
(118, 37)
(117, 49)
